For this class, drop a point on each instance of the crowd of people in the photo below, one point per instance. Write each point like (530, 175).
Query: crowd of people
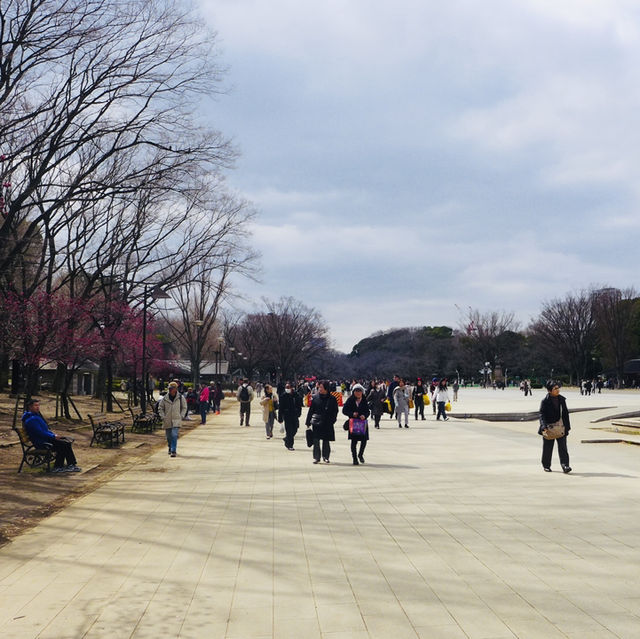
(284, 404)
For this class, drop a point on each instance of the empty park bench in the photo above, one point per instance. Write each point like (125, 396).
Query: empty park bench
(142, 422)
(106, 430)
(32, 456)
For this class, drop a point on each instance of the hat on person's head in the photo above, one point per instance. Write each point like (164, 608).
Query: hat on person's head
(173, 385)
(359, 387)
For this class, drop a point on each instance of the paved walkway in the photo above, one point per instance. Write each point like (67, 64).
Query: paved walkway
(449, 530)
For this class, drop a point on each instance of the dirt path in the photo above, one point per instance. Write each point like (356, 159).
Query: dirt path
(32, 495)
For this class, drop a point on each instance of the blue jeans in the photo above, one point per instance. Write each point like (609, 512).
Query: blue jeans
(172, 438)
(441, 410)
(204, 409)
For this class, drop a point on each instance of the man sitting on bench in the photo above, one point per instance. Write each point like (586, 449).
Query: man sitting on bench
(39, 434)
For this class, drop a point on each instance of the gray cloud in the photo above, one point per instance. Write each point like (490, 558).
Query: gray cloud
(411, 156)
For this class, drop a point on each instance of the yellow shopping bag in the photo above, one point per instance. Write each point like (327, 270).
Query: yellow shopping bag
(447, 406)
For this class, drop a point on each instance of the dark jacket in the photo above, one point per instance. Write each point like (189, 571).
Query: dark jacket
(326, 408)
(550, 412)
(37, 429)
(376, 401)
(290, 407)
(350, 408)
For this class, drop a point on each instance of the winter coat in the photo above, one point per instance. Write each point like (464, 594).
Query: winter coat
(204, 394)
(37, 429)
(376, 402)
(250, 393)
(550, 412)
(269, 405)
(441, 395)
(401, 397)
(172, 410)
(289, 407)
(351, 407)
(325, 410)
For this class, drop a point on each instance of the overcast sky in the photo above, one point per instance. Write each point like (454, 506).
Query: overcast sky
(409, 159)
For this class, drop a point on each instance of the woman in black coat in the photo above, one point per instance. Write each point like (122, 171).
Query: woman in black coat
(553, 408)
(321, 418)
(356, 406)
(375, 399)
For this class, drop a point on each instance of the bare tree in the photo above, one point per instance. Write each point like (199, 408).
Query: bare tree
(566, 327)
(284, 339)
(482, 333)
(617, 313)
(98, 100)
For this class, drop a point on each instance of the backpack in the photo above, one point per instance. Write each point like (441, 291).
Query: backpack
(244, 394)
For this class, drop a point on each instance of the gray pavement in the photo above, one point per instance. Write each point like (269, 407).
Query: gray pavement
(449, 530)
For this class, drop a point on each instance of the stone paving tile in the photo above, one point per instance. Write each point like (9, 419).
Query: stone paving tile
(239, 538)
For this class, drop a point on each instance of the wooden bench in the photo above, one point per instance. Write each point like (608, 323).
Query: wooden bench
(31, 455)
(143, 422)
(106, 430)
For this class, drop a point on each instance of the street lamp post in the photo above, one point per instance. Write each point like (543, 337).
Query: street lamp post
(219, 358)
(156, 293)
(197, 352)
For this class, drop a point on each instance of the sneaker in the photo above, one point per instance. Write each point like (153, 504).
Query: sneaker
(174, 454)
(316, 461)
(292, 448)
(326, 460)
(566, 469)
(72, 468)
(57, 469)
(361, 458)
(546, 469)
(406, 425)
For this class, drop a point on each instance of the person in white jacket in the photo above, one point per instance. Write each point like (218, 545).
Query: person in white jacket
(401, 398)
(441, 398)
(171, 408)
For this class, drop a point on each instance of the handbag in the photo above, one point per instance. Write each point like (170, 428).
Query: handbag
(411, 404)
(357, 426)
(554, 430)
(447, 406)
(387, 405)
(309, 436)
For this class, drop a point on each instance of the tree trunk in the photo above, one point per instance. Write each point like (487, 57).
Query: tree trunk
(4, 369)
(109, 389)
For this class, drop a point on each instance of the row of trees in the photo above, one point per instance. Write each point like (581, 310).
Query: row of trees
(576, 336)
(112, 186)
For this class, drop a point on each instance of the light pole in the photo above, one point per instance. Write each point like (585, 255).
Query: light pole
(197, 352)
(219, 357)
(156, 293)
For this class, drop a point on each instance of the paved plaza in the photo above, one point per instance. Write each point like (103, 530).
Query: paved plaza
(449, 530)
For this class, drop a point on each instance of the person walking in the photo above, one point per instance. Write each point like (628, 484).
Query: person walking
(42, 437)
(245, 396)
(269, 405)
(390, 390)
(419, 393)
(356, 407)
(171, 408)
(375, 399)
(321, 418)
(456, 386)
(441, 398)
(553, 409)
(289, 411)
(432, 390)
(401, 400)
(204, 399)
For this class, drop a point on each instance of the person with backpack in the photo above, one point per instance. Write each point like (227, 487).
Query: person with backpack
(245, 397)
